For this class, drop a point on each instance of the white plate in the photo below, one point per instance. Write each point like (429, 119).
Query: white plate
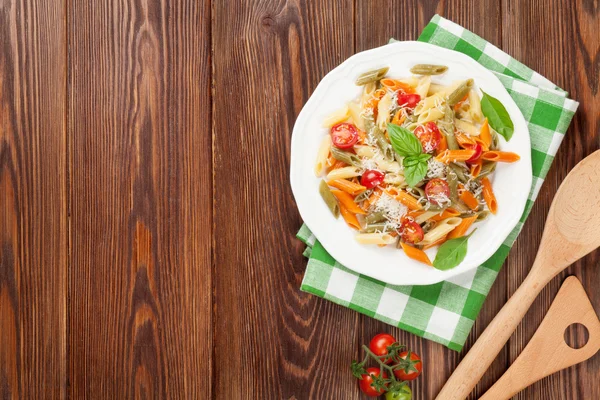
(511, 182)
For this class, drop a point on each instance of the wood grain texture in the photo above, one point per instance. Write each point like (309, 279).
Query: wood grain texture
(139, 118)
(269, 56)
(574, 64)
(33, 204)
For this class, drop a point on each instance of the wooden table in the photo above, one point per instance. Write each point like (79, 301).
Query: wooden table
(147, 225)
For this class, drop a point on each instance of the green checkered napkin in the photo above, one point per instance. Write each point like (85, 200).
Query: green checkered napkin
(445, 312)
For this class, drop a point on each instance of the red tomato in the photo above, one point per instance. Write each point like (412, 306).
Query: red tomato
(344, 135)
(436, 189)
(411, 232)
(413, 370)
(380, 343)
(408, 100)
(477, 155)
(372, 178)
(429, 135)
(365, 382)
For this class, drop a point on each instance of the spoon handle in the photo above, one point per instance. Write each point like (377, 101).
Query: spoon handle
(491, 341)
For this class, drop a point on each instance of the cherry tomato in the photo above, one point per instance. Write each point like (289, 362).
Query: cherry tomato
(398, 395)
(344, 135)
(380, 343)
(435, 189)
(413, 370)
(365, 382)
(408, 100)
(429, 135)
(477, 155)
(372, 178)
(411, 232)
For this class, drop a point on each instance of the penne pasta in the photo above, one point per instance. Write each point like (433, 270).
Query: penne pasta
(441, 229)
(488, 195)
(416, 254)
(432, 114)
(449, 156)
(425, 216)
(383, 110)
(501, 156)
(343, 173)
(404, 198)
(349, 217)
(476, 168)
(329, 199)
(462, 228)
(464, 140)
(475, 106)
(347, 200)
(375, 238)
(336, 117)
(429, 102)
(423, 86)
(436, 243)
(466, 127)
(346, 186)
(355, 111)
(468, 198)
(484, 135)
(447, 213)
(322, 154)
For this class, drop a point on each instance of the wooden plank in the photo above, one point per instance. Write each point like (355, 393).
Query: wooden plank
(569, 30)
(33, 203)
(139, 118)
(278, 341)
(376, 22)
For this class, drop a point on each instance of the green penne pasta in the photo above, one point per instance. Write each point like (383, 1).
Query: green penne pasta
(452, 180)
(482, 215)
(487, 168)
(329, 199)
(461, 173)
(376, 227)
(375, 217)
(460, 92)
(372, 76)
(383, 144)
(428, 69)
(495, 145)
(363, 196)
(344, 156)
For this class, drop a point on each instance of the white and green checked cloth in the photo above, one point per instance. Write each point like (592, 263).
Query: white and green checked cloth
(445, 312)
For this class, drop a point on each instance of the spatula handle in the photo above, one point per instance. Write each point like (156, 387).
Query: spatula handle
(491, 341)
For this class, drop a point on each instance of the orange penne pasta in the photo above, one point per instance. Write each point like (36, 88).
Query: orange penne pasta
(462, 228)
(398, 118)
(372, 199)
(347, 186)
(394, 85)
(443, 146)
(413, 214)
(347, 201)
(362, 136)
(447, 213)
(485, 135)
(436, 243)
(468, 198)
(476, 168)
(338, 164)
(484, 147)
(454, 155)
(464, 140)
(349, 217)
(374, 101)
(415, 254)
(460, 103)
(405, 199)
(488, 195)
(501, 156)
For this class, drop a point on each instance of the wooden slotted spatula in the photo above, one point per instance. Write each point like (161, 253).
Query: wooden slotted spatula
(547, 352)
(572, 231)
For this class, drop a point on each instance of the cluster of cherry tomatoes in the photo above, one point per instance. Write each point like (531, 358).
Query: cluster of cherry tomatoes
(395, 368)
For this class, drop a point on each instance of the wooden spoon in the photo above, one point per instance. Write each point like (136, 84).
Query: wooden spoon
(572, 231)
(547, 352)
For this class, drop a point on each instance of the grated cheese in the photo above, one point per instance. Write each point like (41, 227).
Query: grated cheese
(392, 209)
(435, 169)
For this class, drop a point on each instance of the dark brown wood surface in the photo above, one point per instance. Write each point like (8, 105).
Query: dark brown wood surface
(147, 226)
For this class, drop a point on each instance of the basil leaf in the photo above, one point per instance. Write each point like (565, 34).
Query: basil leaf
(403, 141)
(451, 253)
(497, 116)
(415, 170)
(424, 157)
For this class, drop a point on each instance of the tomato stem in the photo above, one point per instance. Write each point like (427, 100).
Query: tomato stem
(381, 363)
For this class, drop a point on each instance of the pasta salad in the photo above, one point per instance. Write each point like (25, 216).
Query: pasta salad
(409, 162)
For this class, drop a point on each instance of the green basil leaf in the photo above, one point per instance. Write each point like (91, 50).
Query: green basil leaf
(403, 141)
(497, 116)
(414, 172)
(451, 253)
(424, 157)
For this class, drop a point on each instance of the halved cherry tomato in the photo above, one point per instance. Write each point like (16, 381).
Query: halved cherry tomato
(365, 382)
(411, 232)
(477, 155)
(436, 189)
(408, 100)
(372, 178)
(344, 135)
(429, 135)
(413, 370)
(380, 343)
